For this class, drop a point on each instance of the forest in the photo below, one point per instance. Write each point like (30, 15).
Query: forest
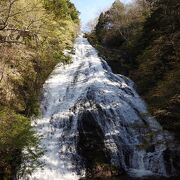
(33, 36)
(141, 41)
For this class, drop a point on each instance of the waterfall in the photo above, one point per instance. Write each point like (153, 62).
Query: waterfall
(85, 100)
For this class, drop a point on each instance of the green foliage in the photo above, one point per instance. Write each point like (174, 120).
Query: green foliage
(62, 9)
(73, 12)
(59, 7)
(60, 55)
(16, 134)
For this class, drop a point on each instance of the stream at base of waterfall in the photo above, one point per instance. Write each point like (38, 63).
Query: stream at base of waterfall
(91, 115)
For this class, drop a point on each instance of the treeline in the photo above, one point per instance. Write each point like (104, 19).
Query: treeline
(33, 35)
(141, 40)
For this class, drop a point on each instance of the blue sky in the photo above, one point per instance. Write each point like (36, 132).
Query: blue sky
(89, 8)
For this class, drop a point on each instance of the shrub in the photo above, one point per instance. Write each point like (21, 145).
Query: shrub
(18, 144)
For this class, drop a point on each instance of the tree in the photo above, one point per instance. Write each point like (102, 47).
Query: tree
(59, 7)
(33, 36)
(6, 8)
(120, 24)
(92, 24)
(16, 134)
(62, 9)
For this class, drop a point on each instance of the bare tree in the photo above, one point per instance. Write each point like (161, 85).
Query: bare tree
(92, 24)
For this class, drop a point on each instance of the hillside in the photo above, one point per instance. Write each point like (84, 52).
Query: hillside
(33, 36)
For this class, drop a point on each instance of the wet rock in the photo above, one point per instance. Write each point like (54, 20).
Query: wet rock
(91, 145)
(106, 171)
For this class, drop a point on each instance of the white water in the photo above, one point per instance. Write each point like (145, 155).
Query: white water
(80, 86)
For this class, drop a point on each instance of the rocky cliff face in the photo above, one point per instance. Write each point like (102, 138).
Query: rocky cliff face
(95, 124)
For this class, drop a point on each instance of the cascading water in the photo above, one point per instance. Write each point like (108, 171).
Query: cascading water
(86, 96)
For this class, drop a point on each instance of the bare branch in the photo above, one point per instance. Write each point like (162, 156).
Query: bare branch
(5, 22)
(2, 72)
(11, 42)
